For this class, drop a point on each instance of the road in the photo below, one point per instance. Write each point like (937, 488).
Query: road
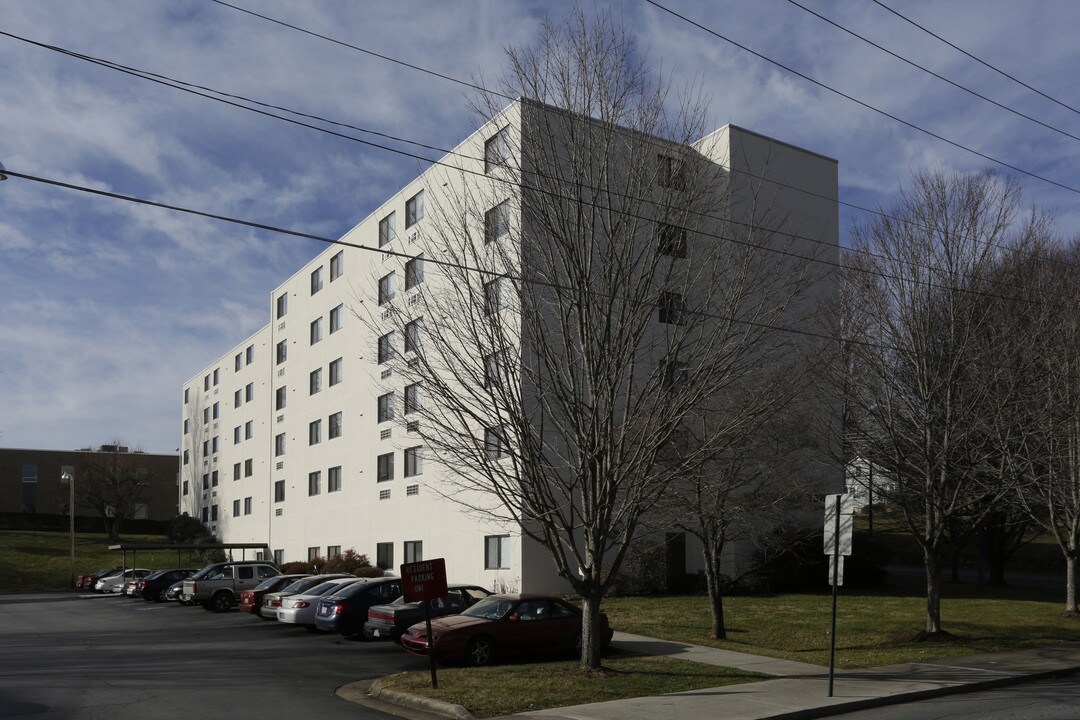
(116, 658)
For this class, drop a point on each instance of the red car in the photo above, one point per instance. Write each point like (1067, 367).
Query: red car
(504, 625)
(251, 600)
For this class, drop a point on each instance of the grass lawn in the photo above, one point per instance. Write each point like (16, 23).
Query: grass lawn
(35, 561)
(506, 689)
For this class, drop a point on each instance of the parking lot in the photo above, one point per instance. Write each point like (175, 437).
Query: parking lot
(115, 657)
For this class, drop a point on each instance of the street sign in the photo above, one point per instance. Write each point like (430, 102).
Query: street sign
(424, 580)
(846, 504)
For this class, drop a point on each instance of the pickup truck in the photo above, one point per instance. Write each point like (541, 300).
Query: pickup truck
(217, 586)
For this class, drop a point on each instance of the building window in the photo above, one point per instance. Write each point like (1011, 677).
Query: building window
(214, 444)
(387, 232)
(238, 362)
(217, 372)
(236, 471)
(414, 464)
(315, 381)
(238, 398)
(335, 426)
(280, 398)
(384, 555)
(206, 383)
(672, 307)
(249, 392)
(185, 487)
(494, 369)
(279, 557)
(247, 506)
(494, 444)
(497, 150)
(385, 467)
(497, 552)
(249, 429)
(675, 373)
(282, 351)
(279, 491)
(413, 331)
(312, 553)
(671, 240)
(333, 479)
(316, 280)
(316, 330)
(314, 483)
(414, 551)
(412, 398)
(205, 515)
(214, 479)
(386, 288)
(414, 209)
(497, 222)
(336, 316)
(386, 347)
(186, 457)
(206, 416)
(187, 425)
(249, 355)
(495, 298)
(248, 467)
(206, 448)
(333, 551)
(279, 445)
(314, 432)
(236, 508)
(337, 265)
(206, 481)
(335, 372)
(187, 395)
(216, 410)
(282, 305)
(414, 272)
(386, 407)
(670, 172)
(236, 435)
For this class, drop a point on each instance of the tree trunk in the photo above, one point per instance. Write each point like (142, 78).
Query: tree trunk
(716, 594)
(590, 640)
(933, 593)
(1070, 585)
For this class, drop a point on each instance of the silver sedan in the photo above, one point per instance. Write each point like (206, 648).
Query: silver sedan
(300, 609)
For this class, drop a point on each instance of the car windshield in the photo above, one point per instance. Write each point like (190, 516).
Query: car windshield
(205, 571)
(490, 609)
(328, 586)
(303, 584)
(267, 584)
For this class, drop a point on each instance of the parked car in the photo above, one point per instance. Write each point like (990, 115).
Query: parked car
(115, 583)
(129, 587)
(389, 622)
(300, 608)
(251, 600)
(87, 581)
(504, 625)
(217, 586)
(176, 592)
(272, 601)
(346, 610)
(156, 585)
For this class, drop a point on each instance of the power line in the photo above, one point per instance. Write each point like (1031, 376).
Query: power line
(931, 72)
(863, 103)
(959, 49)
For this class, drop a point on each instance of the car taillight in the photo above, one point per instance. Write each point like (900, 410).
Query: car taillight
(194, 588)
(301, 604)
(339, 607)
(380, 616)
(276, 602)
(142, 584)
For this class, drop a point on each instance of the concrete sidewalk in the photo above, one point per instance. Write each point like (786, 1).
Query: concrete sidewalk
(799, 691)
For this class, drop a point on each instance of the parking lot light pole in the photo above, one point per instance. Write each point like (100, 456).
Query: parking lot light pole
(69, 478)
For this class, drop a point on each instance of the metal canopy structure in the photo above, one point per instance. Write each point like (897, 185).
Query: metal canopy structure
(134, 547)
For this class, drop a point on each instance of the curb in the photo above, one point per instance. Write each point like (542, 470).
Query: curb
(358, 692)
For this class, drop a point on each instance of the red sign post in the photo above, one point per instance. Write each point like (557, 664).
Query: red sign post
(422, 582)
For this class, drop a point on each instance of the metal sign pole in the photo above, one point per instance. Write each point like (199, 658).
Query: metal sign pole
(835, 579)
(431, 644)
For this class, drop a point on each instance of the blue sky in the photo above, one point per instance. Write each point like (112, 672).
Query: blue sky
(106, 307)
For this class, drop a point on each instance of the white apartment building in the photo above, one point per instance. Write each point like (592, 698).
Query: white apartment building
(303, 435)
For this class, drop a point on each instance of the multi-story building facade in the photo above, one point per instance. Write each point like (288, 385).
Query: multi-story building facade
(306, 434)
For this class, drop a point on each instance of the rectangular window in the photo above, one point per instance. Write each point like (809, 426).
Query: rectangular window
(495, 296)
(206, 416)
(279, 445)
(414, 209)
(332, 551)
(213, 513)
(249, 355)
(497, 222)
(335, 426)
(414, 272)
(672, 307)
(214, 444)
(670, 172)
(414, 551)
(412, 398)
(187, 395)
(185, 487)
(316, 330)
(236, 508)
(335, 372)
(282, 305)
(282, 351)
(217, 372)
(337, 265)
(333, 479)
(336, 316)
(312, 553)
(249, 392)
(279, 557)
(315, 381)
(206, 383)
(236, 471)
(249, 429)
(494, 369)
(387, 232)
(247, 506)
(384, 555)
(316, 280)
(187, 425)
(494, 444)
(206, 481)
(671, 240)
(214, 479)
(497, 552)
(314, 483)
(281, 396)
(217, 410)
(187, 458)
(238, 362)
(675, 372)
(386, 288)
(205, 515)
(386, 407)
(236, 435)
(279, 491)
(497, 150)
(386, 348)
(314, 432)
(413, 331)
(238, 398)
(206, 448)
(248, 467)
(414, 464)
(385, 467)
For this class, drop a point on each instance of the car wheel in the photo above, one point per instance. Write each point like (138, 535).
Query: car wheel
(220, 602)
(481, 651)
(161, 595)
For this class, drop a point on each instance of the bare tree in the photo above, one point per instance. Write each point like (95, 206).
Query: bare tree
(112, 482)
(586, 299)
(916, 283)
